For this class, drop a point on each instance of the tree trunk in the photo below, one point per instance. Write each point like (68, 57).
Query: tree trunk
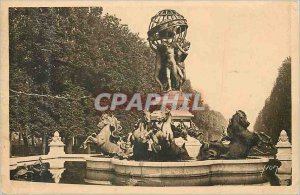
(33, 145)
(10, 144)
(69, 145)
(88, 149)
(45, 141)
(32, 140)
(25, 141)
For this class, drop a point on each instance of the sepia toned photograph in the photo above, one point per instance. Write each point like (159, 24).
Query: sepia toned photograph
(172, 97)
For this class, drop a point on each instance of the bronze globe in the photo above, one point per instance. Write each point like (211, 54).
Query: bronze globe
(166, 24)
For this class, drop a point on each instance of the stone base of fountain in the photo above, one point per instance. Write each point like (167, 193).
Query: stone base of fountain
(209, 172)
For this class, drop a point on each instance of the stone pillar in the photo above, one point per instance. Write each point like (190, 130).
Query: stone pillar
(56, 145)
(284, 153)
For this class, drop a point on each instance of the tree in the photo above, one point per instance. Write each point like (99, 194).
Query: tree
(73, 53)
(211, 123)
(276, 113)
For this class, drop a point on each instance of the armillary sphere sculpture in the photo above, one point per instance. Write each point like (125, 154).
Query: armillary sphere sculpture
(163, 23)
(166, 36)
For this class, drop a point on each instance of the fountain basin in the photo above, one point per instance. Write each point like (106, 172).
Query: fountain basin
(209, 172)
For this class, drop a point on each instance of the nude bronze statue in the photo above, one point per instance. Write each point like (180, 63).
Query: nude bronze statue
(166, 37)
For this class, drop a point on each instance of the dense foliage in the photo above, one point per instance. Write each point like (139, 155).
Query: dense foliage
(73, 53)
(276, 114)
(211, 123)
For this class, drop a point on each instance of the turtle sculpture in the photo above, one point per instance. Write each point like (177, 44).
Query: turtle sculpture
(241, 141)
(32, 172)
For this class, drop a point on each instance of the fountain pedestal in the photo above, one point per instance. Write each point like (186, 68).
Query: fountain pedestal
(56, 145)
(56, 169)
(179, 115)
(284, 153)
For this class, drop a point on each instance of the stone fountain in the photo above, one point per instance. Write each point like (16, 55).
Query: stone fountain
(167, 38)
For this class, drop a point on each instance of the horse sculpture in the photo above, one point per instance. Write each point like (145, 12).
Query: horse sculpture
(166, 128)
(151, 142)
(241, 141)
(107, 139)
(140, 138)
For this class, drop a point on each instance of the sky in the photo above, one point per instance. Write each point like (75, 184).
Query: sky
(236, 48)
